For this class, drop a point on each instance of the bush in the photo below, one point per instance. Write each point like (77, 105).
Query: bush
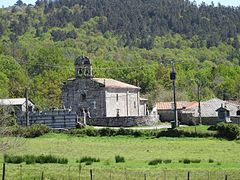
(211, 161)
(186, 161)
(167, 161)
(35, 130)
(228, 130)
(86, 131)
(155, 162)
(138, 133)
(89, 159)
(62, 160)
(119, 159)
(13, 159)
(124, 132)
(89, 162)
(31, 159)
(107, 132)
(195, 161)
(182, 133)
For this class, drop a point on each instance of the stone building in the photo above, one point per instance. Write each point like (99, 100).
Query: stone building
(100, 97)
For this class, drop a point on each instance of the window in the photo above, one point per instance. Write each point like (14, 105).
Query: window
(94, 105)
(118, 112)
(116, 97)
(135, 104)
(238, 112)
(83, 96)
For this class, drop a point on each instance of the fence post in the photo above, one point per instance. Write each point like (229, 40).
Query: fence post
(3, 172)
(126, 174)
(110, 177)
(79, 170)
(208, 175)
(188, 176)
(42, 176)
(91, 177)
(20, 172)
(69, 171)
(226, 177)
(145, 177)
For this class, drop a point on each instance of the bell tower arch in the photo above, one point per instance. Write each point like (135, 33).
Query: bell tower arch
(83, 68)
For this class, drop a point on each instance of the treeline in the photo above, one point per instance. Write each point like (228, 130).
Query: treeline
(132, 41)
(140, 21)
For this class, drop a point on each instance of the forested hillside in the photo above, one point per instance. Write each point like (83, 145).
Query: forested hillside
(129, 40)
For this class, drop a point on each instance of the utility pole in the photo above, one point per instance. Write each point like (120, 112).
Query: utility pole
(173, 78)
(199, 101)
(26, 103)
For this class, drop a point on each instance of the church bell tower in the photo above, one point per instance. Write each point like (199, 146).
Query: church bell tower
(83, 68)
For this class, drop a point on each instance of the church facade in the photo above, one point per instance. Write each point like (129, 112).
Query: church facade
(100, 97)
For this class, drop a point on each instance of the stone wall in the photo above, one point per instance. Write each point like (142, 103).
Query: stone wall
(189, 120)
(122, 121)
(168, 115)
(53, 119)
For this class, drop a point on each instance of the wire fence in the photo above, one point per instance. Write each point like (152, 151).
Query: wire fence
(76, 172)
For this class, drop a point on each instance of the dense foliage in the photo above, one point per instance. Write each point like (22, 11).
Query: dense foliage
(132, 41)
(228, 130)
(32, 159)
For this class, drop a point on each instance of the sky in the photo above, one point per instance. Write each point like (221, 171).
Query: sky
(7, 3)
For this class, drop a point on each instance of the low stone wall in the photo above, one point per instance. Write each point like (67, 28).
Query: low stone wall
(235, 119)
(122, 121)
(53, 119)
(188, 120)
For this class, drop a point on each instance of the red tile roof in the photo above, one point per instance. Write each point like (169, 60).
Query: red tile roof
(180, 105)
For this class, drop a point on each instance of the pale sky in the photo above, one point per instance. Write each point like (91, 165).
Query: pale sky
(6, 3)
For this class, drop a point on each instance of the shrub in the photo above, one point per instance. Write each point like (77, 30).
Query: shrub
(119, 159)
(35, 130)
(46, 159)
(182, 133)
(124, 132)
(62, 160)
(155, 162)
(13, 159)
(138, 133)
(167, 161)
(89, 162)
(211, 161)
(228, 130)
(186, 161)
(195, 161)
(89, 159)
(106, 132)
(30, 159)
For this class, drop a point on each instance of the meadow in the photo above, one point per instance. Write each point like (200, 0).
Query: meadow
(137, 152)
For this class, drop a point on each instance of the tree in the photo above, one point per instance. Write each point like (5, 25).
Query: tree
(7, 120)
(19, 3)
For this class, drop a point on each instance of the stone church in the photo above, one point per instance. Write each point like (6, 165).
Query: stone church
(100, 97)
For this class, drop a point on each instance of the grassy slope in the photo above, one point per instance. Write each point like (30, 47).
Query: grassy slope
(137, 152)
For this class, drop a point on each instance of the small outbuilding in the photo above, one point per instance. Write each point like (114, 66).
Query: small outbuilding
(18, 104)
(223, 114)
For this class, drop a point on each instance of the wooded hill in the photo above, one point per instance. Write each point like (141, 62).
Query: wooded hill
(129, 40)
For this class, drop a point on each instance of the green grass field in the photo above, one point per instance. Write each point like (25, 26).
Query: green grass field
(137, 153)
